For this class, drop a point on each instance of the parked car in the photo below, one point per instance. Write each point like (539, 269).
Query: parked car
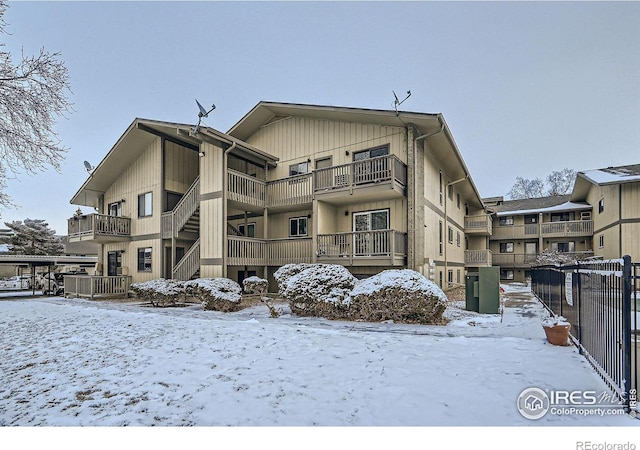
(53, 283)
(16, 283)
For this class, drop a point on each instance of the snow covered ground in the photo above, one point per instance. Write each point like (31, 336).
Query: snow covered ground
(88, 363)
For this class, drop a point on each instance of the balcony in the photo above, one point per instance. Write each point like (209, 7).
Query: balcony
(479, 225)
(251, 194)
(567, 229)
(99, 228)
(245, 251)
(380, 178)
(527, 260)
(91, 287)
(363, 248)
(477, 258)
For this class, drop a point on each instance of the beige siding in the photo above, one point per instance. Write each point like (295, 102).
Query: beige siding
(211, 229)
(631, 201)
(143, 176)
(211, 169)
(296, 139)
(631, 240)
(181, 167)
(130, 258)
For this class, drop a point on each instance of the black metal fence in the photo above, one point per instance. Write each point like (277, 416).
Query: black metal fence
(601, 300)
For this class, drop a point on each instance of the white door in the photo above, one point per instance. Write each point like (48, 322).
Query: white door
(370, 235)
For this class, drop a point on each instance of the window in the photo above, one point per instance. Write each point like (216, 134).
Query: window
(506, 221)
(563, 217)
(563, 247)
(297, 226)
(365, 244)
(297, 169)
(450, 235)
(506, 247)
(440, 237)
(458, 238)
(251, 229)
(506, 274)
(450, 276)
(531, 218)
(601, 241)
(172, 200)
(115, 209)
(450, 192)
(440, 188)
(323, 163)
(371, 153)
(601, 206)
(458, 200)
(458, 276)
(145, 204)
(144, 259)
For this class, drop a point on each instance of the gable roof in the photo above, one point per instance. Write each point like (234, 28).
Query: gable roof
(441, 142)
(556, 203)
(604, 177)
(135, 140)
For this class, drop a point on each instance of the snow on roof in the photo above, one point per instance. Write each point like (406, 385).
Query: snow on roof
(614, 175)
(567, 206)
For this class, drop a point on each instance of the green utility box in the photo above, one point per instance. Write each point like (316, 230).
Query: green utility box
(482, 290)
(472, 291)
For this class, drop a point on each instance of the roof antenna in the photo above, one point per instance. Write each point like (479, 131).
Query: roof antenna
(203, 113)
(397, 102)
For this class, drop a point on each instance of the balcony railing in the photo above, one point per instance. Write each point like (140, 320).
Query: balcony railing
(99, 225)
(290, 191)
(375, 170)
(571, 228)
(189, 264)
(86, 286)
(479, 224)
(480, 258)
(377, 247)
(246, 189)
(520, 259)
(246, 251)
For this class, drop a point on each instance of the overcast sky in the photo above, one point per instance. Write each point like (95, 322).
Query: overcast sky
(526, 88)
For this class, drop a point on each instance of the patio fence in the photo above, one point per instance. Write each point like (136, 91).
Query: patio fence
(601, 301)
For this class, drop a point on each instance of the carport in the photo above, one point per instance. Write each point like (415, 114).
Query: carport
(35, 261)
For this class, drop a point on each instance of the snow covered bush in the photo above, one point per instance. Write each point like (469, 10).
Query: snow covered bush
(255, 285)
(319, 290)
(216, 294)
(403, 296)
(160, 292)
(285, 272)
(554, 257)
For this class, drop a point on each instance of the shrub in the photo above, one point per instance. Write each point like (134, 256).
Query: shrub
(216, 294)
(320, 290)
(285, 272)
(404, 296)
(255, 285)
(160, 292)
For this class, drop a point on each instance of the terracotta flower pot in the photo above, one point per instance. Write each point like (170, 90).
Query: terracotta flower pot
(558, 334)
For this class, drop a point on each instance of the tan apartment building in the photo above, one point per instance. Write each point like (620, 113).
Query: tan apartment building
(523, 229)
(288, 183)
(614, 193)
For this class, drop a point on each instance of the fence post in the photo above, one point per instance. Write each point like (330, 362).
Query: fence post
(578, 300)
(626, 328)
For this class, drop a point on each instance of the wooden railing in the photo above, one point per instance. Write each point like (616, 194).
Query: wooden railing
(187, 206)
(246, 189)
(508, 259)
(245, 251)
(477, 257)
(289, 251)
(362, 244)
(290, 191)
(91, 287)
(374, 170)
(571, 228)
(189, 264)
(481, 223)
(99, 224)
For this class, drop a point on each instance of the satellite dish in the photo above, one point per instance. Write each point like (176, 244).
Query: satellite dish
(89, 168)
(203, 112)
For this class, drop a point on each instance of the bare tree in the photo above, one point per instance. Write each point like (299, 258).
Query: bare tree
(561, 181)
(32, 95)
(526, 188)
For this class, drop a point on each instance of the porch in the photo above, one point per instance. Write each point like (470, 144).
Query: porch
(91, 287)
(363, 248)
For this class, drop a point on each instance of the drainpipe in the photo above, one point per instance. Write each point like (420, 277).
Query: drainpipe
(446, 221)
(224, 208)
(414, 195)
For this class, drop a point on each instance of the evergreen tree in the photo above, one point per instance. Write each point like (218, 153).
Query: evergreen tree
(32, 237)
